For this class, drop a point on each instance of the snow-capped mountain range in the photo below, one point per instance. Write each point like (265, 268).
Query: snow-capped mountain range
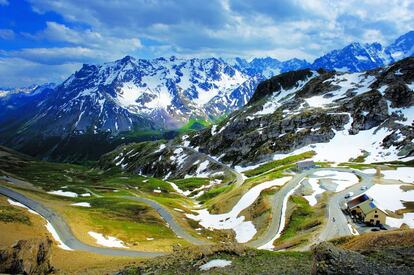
(163, 93)
(363, 117)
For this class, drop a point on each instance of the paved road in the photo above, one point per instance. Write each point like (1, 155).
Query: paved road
(278, 209)
(332, 229)
(339, 227)
(67, 237)
(239, 177)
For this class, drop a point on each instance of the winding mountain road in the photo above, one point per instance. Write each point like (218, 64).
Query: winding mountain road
(333, 229)
(174, 226)
(278, 209)
(239, 176)
(67, 237)
(337, 225)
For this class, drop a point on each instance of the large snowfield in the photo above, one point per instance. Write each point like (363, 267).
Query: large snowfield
(391, 197)
(343, 147)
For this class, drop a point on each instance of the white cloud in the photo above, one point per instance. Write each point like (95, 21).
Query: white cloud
(17, 72)
(53, 56)
(106, 30)
(234, 25)
(4, 2)
(7, 34)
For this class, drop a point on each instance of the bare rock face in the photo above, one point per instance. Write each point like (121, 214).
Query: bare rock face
(27, 257)
(329, 259)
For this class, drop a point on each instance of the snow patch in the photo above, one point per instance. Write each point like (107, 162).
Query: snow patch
(107, 241)
(215, 263)
(63, 193)
(82, 204)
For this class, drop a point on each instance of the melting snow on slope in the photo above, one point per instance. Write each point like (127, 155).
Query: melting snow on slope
(15, 203)
(358, 82)
(82, 204)
(277, 99)
(63, 193)
(107, 241)
(201, 169)
(343, 147)
(390, 197)
(408, 219)
(244, 230)
(215, 263)
(404, 174)
(342, 180)
(317, 190)
(178, 190)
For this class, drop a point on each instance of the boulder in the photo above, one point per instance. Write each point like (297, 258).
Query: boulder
(27, 257)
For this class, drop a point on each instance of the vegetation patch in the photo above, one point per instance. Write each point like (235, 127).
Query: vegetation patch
(360, 158)
(213, 193)
(194, 125)
(268, 176)
(303, 221)
(10, 214)
(243, 261)
(191, 183)
(276, 163)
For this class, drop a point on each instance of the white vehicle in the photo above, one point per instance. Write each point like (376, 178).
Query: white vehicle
(350, 194)
(364, 187)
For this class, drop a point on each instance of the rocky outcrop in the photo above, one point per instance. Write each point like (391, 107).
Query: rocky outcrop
(283, 81)
(27, 257)
(329, 259)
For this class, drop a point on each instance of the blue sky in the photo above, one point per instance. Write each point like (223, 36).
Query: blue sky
(43, 41)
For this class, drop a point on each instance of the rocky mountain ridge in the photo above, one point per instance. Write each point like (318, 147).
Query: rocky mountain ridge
(139, 96)
(340, 116)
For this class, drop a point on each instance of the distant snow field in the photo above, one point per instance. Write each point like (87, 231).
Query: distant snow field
(107, 241)
(82, 204)
(215, 263)
(63, 193)
(245, 230)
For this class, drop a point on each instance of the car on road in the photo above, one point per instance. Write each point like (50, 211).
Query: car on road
(382, 227)
(364, 187)
(375, 229)
(348, 195)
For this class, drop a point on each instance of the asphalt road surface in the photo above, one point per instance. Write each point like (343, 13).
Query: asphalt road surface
(66, 234)
(333, 229)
